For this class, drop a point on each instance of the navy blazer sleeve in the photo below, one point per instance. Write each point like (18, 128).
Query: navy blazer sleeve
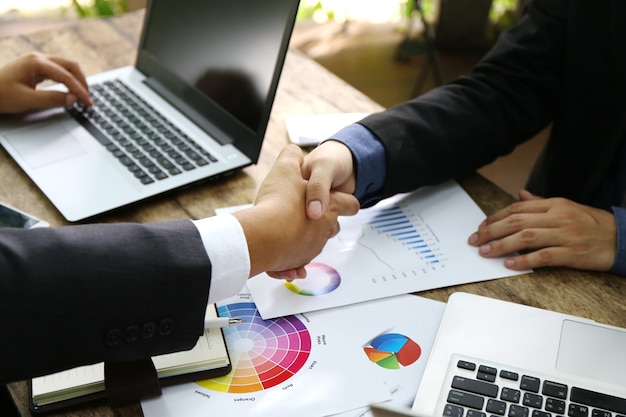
(508, 97)
(562, 64)
(83, 294)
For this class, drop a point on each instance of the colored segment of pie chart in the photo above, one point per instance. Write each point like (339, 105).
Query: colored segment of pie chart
(393, 350)
(321, 279)
(263, 353)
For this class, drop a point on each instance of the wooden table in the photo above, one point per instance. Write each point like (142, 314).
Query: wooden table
(305, 87)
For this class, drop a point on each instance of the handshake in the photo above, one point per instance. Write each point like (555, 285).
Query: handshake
(294, 215)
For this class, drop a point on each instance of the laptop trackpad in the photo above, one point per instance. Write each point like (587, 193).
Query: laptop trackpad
(593, 351)
(44, 144)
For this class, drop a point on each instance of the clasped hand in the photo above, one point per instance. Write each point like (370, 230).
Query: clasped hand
(281, 238)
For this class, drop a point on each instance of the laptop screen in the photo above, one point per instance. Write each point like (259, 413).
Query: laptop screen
(219, 62)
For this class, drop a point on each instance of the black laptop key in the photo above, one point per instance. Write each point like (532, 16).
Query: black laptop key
(174, 171)
(486, 377)
(598, 400)
(600, 413)
(554, 389)
(453, 411)
(530, 383)
(555, 406)
(476, 387)
(533, 400)
(134, 167)
(577, 410)
(126, 161)
(143, 177)
(165, 163)
(511, 395)
(518, 411)
(466, 399)
(490, 370)
(511, 376)
(496, 407)
(475, 413)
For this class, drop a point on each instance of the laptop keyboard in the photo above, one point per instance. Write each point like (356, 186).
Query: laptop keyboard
(480, 389)
(143, 140)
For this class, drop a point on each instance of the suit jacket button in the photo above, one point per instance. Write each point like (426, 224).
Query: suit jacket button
(149, 329)
(166, 326)
(132, 334)
(113, 337)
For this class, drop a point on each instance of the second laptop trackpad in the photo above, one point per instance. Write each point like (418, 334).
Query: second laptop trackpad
(593, 351)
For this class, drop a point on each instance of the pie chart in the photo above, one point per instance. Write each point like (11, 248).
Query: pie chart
(263, 353)
(392, 351)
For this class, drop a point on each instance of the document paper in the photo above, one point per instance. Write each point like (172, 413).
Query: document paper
(407, 243)
(310, 365)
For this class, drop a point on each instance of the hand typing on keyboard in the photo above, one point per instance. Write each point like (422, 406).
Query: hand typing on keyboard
(141, 138)
(20, 77)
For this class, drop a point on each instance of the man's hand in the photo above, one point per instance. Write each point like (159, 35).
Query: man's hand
(280, 235)
(327, 167)
(551, 232)
(20, 77)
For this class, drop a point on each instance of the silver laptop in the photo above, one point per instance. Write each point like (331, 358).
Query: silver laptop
(495, 358)
(195, 106)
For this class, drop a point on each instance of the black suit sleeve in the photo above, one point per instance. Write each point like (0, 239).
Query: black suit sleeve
(77, 295)
(508, 97)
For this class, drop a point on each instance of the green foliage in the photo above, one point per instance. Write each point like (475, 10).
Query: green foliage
(307, 10)
(502, 12)
(407, 7)
(100, 8)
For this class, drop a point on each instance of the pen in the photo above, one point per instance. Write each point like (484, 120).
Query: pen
(217, 322)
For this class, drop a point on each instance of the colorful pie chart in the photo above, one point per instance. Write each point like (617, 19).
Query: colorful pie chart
(392, 351)
(263, 353)
(320, 279)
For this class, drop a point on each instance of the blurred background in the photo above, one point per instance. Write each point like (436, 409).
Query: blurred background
(391, 50)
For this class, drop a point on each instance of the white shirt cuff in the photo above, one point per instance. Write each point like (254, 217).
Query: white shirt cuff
(226, 245)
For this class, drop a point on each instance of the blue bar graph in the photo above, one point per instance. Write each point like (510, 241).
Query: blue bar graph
(394, 222)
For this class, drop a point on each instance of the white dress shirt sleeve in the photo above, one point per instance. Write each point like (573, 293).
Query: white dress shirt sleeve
(226, 245)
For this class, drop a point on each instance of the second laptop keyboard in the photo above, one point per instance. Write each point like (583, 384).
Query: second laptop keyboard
(141, 138)
(480, 389)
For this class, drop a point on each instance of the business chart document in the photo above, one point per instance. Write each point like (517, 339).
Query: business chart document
(313, 364)
(407, 243)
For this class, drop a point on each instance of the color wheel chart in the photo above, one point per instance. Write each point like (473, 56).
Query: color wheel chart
(321, 279)
(392, 351)
(264, 353)
(308, 365)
